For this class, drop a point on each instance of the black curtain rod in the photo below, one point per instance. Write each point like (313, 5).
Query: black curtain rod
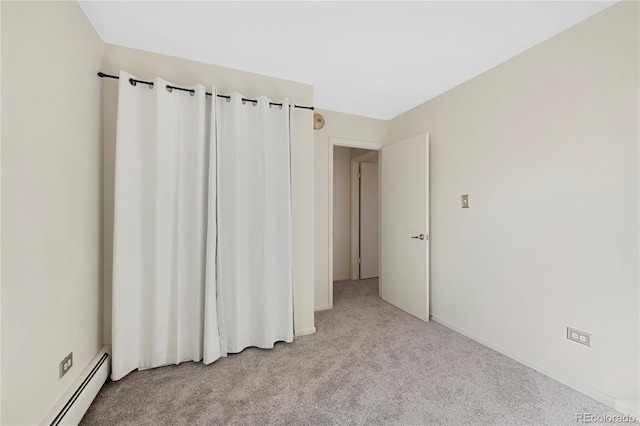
(133, 81)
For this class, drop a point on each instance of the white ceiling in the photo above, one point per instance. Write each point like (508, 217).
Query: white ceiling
(377, 59)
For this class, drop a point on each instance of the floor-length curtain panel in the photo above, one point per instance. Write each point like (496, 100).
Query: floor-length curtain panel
(255, 296)
(161, 216)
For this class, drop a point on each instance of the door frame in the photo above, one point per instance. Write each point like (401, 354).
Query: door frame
(348, 143)
(355, 211)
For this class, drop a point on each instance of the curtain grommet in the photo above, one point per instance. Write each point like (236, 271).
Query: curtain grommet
(151, 85)
(169, 89)
(132, 81)
(229, 99)
(244, 102)
(255, 103)
(193, 93)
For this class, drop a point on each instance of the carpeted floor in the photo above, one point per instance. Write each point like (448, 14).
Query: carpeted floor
(369, 363)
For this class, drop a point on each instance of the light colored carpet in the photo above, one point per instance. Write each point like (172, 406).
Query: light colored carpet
(369, 363)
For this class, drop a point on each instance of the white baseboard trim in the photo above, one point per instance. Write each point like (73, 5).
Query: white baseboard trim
(322, 308)
(76, 401)
(346, 277)
(305, 331)
(579, 386)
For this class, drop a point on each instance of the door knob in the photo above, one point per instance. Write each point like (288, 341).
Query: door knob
(419, 237)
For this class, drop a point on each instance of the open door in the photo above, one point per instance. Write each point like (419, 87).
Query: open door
(404, 225)
(369, 221)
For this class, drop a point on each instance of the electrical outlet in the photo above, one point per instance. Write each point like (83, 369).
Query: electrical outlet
(578, 336)
(465, 201)
(66, 364)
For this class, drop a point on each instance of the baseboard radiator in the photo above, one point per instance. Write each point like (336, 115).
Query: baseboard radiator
(76, 401)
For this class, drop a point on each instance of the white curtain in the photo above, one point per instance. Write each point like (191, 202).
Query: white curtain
(184, 286)
(254, 223)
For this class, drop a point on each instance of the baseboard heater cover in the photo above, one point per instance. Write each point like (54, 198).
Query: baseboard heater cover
(76, 401)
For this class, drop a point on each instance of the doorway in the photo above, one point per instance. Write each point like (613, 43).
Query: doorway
(355, 214)
(365, 213)
(403, 207)
(346, 157)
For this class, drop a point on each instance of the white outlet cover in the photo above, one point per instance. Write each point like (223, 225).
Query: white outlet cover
(579, 336)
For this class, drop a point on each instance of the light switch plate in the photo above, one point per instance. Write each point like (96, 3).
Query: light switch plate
(465, 201)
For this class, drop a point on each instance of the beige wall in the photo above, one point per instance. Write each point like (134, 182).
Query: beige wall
(346, 126)
(0, 221)
(546, 146)
(51, 206)
(147, 65)
(341, 213)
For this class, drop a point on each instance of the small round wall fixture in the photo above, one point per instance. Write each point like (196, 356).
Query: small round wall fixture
(318, 121)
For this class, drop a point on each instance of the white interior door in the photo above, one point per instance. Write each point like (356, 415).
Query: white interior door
(404, 225)
(369, 224)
